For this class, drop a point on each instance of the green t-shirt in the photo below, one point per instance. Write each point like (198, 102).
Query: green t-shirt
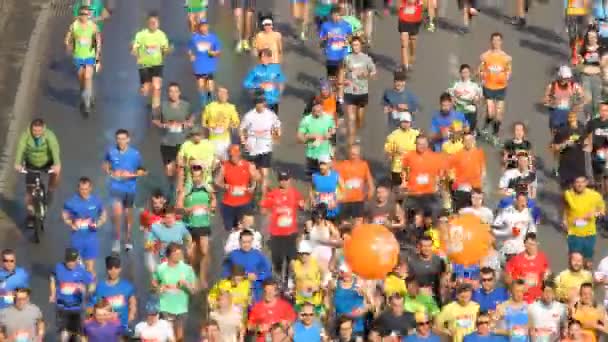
(174, 299)
(320, 125)
(199, 200)
(96, 7)
(421, 303)
(322, 9)
(84, 39)
(150, 47)
(196, 4)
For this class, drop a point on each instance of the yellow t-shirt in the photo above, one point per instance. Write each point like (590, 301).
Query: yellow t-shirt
(219, 118)
(460, 319)
(451, 147)
(203, 152)
(307, 277)
(398, 143)
(569, 282)
(580, 205)
(240, 292)
(393, 284)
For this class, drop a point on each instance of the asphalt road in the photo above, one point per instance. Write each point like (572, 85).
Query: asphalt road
(536, 51)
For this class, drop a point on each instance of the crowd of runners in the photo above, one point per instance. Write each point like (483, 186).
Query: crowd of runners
(288, 279)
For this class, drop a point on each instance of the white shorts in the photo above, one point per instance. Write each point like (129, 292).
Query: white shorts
(221, 148)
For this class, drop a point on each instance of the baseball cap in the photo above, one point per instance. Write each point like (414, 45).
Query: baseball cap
(304, 247)
(112, 261)
(463, 288)
(283, 175)
(324, 84)
(266, 22)
(152, 308)
(405, 117)
(421, 317)
(324, 159)
(71, 254)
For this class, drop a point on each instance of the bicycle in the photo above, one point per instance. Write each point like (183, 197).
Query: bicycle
(39, 200)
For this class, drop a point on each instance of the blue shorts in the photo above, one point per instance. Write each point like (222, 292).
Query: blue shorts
(494, 94)
(582, 244)
(127, 199)
(558, 118)
(81, 62)
(87, 245)
(299, 1)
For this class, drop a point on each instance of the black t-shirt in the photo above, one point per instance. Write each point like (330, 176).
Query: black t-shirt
(591, 56)
(599, 132)
(387, 323)
(521, 183)
(512, 148)
(427, 272)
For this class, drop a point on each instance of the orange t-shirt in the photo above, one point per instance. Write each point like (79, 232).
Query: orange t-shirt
(496, 67)
(468, 166)
(354, 174)
(424, 170)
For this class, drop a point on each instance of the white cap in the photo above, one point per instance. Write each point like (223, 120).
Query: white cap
(266, 22)
(324, 159)
(564, 72)
(304, 247)
(405, 116)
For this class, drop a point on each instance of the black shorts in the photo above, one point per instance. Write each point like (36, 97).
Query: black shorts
(208, 77)
(352, 210)
(364, 5)
(69, 320)
(396, 179)
(312, 166)
(246, 4)
(410, 28)
(429, 203)
(169, 153)
(359, 100)
(333, 68)
(147, 74)
(262, 161)
(173, 318)
(198, 232)
(30, 178)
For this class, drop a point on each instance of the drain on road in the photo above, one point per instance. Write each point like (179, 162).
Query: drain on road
(61, 8)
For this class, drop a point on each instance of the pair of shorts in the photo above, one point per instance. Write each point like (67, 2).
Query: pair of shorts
(352, 210)
(146, 74)
(582, 244)
(30, 178)
(127, 199)
(207, 77)
(246, 4)
(558, 118)
(198, 232)
(86, 243)
(396, 179)
(195, 10)
(494, 94)
(334, 67)
(410, 28)
(221, 148)
(429, 202)
(68, 320)
(169, 153)
(83, 62)
(231, 215)
(364, 5)
(262, 161)
(359, 100)
(173, 318)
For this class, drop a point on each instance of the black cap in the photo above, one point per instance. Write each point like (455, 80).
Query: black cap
(112, 261)
(464, 287)
(283, 175)
(71, 254)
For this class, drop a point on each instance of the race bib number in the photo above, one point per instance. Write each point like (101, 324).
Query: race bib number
(563, 104)
(152, 49)
(219, 130)
(380, 219)
(116, 302)
(519, 332)
(22, 336)
(203, 46)
(409, 10)
(603, 29)
(465, 187)
(200, 211)
(464, 323)
(68, 289)
(422, 179)
(354, 183)
(580, 223)
(267, 86)
(262, 133)
(531, 279)
(238, 191)
(337, 45)
(399, 115)
(84, 41)
(176, 128)
(8, 298)
(327, 198)
(495, 69)
(284, 221)
(470, 108)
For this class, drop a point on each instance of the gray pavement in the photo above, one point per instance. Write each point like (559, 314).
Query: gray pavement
(536, 50)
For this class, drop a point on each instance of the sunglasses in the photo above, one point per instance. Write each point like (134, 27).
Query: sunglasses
(423, 323)
(307, 314)
(487, 279)
(483, 322)
(8, 260)
(83, 14)
(196, 168)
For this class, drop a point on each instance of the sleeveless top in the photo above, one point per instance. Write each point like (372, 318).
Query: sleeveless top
(305, 276)
(326, 191)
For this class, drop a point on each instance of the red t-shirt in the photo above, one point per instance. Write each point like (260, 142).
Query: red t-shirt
(283, 206)
(266, 313)
(147, 218)
(532, 271)
(238, 178)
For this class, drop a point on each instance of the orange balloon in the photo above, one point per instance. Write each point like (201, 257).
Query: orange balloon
(372, 251)
(467, 240)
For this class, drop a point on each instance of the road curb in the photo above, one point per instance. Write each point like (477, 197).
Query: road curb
(27, 90)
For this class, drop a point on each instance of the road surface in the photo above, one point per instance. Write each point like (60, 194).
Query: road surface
(536, 51)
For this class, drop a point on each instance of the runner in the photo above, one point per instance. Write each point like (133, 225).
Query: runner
(562, 96)
(324, 189)
(243, 22)
(334, 34)
(153, 327)
(400, 142)
(316, 130)
(548, 317)
(469, 167)
(359, 68)
(489, 295)
(149, 47)
(266, 80)
(154, 212)
(268, 311)
(204, 49)
(83, 41)
(592, 316)
(513, 314)
(358, 185)
(84, 214)
(194, 151)
(568, 282)
(410, 19)
(519, 180)
(576, 19)
(398, 101)
(590, 56)
(22, 320)
(306, 280)
(169, 231)
(519, 144)
(269, 38)
(597, 131)
(531, 266)
(260, 130)
(466, 95)
(12, 278)
(98, 11)
(123, 164)
(300, 11)
(495, 72)
(197, 12)
(512, 225)
(221, 119)
(245, 223)
(444, 119)
(102, 326)
(568, 147)
(457, 318)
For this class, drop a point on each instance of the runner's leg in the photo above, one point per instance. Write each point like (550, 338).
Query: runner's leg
(157, 83)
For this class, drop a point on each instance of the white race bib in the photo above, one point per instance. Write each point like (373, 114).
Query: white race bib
(238, 191)
(176, 128)
(354, 183)
(580, 223)
(284, 221)
(422, 179)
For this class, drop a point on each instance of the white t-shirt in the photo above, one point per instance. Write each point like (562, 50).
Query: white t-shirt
(162, 331)
(600, 274)
(512, 174)
(547, 321)
(232, 243)
(259, 128)
(484, 213)
(512, 225)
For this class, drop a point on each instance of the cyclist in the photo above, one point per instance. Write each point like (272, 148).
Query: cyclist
(123, 164)
(410, 19)
(197, 12)
(244, 26)
(334, 34)
(221, 119)
(38, 150)
(204, 49)
(150, 45)
(83, 41)
(562, 96)
(84, 214)
(98, 11)
(266, 79)
(316, 130)
(260, 129)
(301, 14)
(269, 38)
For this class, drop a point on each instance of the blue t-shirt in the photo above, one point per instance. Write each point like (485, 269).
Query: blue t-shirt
(79, 208)
(489, 300)
(71, 286)
(466, 272)
(109, 332)
(335, 34)
(348, 300)
(117, 295)
(128, 160)
(267, 78)
(159, 233)
(510, 200)
(301, 333)
(326, 190)
(441, 122)
(393, 98)
(200, 45)
(475, 337)
(9, 281)
(516, 321)
(416, 338)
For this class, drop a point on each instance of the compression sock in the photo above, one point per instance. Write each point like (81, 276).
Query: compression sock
(496, 127)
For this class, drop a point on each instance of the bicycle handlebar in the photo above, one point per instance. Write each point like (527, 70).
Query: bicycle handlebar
(26, 171)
